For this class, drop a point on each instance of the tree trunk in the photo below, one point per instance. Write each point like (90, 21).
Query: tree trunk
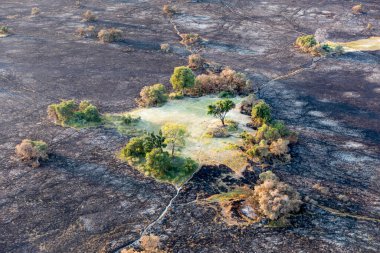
(222, 119)
(173, 148)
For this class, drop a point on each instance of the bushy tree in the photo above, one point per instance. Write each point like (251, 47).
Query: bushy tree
(261, 113)
(266, 132)
(220, 109)
(138, 147)
(273, 198)
(154, 95)
(174, 135)
(182, 78)
(158, 162)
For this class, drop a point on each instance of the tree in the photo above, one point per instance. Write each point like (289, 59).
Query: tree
(182, 78)
(220, 109)
(158, 162)
(174, 136)
(154, 95)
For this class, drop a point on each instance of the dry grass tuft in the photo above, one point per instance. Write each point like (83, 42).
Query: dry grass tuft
(35, 11)
(29, 150)
(88, 16)
(110, 35)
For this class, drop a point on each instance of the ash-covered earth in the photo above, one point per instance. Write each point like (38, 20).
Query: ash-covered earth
(83, 199)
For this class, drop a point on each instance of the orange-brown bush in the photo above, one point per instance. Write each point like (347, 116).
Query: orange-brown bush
(228, 80)
(149, 244)
(110, 35)
(358, 9)
(274, 199)
(190, 38)
(167, 9)
(35, 11)
(279, 147)
(86, 32)
(88, 16)
(29, 150)
(196, 61)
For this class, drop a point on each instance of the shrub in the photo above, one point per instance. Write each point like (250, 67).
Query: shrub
(138, 147)
(35, 11)
(174, 135)
(128, 119)
(88, 16)
(86, 32)
(167, 9)
(182, 78)
(217, 132)
(228, 80)
(261, 113)
(220, 109)
(165, 47)
(148, 243)
(259, 151)
(281, 128)
(306, 42)
(190, 38)
(110, 35)
(196, 61)
(4, 30)
(358, 9)
(32, 150)
(154, 95)
(274, 199)
(68, 112)
(157, 163)
(175, 95)
(279, 147)
(226, 94)
(266, 132)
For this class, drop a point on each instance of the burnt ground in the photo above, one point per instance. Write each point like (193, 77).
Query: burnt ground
(84, 200)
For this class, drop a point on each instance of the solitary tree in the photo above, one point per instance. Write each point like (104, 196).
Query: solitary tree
(220, 109)
(182, 78)
(261, 113)
(174, 136)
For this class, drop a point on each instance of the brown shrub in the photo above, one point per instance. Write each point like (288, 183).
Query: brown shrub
(274, 199)
(86, 32)
(165, 47)
(110, 35)
(358, 9)
(228, 80)
(279, 147)
(148, 243)
(167, 9)
(196, 61)
(190, 38)
(88, 16)
(29, 150)
(35, 11)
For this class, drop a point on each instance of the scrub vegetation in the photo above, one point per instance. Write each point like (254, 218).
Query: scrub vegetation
(308, 44)
(110, 35)
(32, 151)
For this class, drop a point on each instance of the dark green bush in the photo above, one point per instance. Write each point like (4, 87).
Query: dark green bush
(306, 42)
(158, 163)
(68, 112)
(182, 78)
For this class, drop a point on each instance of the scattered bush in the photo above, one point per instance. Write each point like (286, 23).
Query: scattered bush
(88, 16)
(358, 9)
(35, 11)
(165, 47)
(86, 32)
(306, 43)
(182, 78)
(68, 112)
(168, 10)
(196, 61)
(220, 109)
(4, 30)
(29, 150)
(228, 80)
(190, 38)
(174, 135)
(274, 199)
(110, 35)
(138, 147)
(154, 95)
(261, 113)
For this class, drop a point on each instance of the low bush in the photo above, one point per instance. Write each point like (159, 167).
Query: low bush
(88, 16)
(274, 199)
(148, 244)
(110, 35)
(261, 113)
(165, 47)
(70, 113)
(358, 9)
(196, 61)
(4, 30)
(279, 147)
(35, 11)
(182, 79)
(228, 80)
(309, 44)
(29, 150)
(306, 42)
(86, 32)
(128, 119)
(226, 94)
(168, 10)
(259, 151)
(154, 95)
(217, 132)
(176, 95)
(190, 38)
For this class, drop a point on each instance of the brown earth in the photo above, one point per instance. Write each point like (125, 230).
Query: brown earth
(84, 200)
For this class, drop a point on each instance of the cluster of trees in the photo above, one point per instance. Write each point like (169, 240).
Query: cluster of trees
(71, 113)
(272, 138)
(308, 44)
(149, 150)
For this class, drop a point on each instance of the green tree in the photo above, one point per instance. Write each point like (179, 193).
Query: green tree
(182, 78)
(154, 95)
(220, 109)
(174, 136)
(261, 113)
(158, 162)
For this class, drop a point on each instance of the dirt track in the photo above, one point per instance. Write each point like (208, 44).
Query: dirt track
(84, 200)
